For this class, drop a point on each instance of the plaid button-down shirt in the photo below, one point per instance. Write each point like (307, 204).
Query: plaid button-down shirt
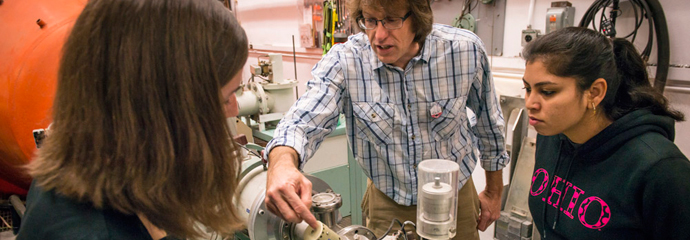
(399, 117)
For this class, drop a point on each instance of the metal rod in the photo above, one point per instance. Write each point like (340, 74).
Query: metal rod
(294, 56)
(294, 63)
(6, 224)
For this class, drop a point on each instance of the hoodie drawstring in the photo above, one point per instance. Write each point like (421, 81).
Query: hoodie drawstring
(543, 219)
(567, 176)
(562, 189)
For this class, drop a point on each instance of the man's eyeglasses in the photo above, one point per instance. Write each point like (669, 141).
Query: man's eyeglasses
(388, 23)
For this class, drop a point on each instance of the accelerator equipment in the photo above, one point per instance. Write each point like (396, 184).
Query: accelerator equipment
(264, 225)
(515, 221)
(33, 34)
(436, 212)
(266, 100)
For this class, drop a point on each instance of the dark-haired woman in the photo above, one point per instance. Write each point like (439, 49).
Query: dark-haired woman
(606, 165)
(139, 146)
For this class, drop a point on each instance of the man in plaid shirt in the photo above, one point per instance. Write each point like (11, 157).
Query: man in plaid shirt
(404, 85)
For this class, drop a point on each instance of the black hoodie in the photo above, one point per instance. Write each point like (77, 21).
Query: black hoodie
(630, 181)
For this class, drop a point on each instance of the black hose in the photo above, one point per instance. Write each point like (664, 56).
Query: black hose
(638, 22)
(390, 227)
(662, 46)
(650, 38)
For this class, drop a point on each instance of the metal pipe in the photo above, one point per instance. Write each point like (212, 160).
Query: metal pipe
(306, 55)
(18, 205)
(516, 76)
(294, 63)
(530, 13)
(248, 103)
(678, 89)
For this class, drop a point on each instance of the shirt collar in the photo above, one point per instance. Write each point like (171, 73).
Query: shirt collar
(424, 52)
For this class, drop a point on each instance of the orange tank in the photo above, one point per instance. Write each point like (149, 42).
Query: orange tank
(32, 33)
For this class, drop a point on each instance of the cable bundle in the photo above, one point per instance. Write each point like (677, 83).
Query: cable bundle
(643, 9)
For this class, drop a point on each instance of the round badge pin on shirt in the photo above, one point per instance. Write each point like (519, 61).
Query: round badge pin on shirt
(436, 111)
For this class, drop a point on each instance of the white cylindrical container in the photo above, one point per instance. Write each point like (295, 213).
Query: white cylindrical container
(437, 199)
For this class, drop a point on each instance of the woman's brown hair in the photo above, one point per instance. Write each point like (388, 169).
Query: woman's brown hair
(138, 123)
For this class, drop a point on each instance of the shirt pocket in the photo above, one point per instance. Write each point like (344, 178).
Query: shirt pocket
(450, 120)
(374, 121)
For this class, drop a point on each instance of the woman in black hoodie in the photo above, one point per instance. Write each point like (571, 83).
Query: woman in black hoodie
(606, 165)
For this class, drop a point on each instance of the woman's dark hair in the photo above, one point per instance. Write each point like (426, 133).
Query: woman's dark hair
(422, 17)
(138, 120)
(587, 55)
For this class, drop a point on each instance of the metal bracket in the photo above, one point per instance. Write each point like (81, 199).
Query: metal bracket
(39, 136)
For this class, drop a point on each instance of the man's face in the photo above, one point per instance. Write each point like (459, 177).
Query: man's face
(395, 46)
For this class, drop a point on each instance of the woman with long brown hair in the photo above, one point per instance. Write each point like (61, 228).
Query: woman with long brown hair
(139, 147)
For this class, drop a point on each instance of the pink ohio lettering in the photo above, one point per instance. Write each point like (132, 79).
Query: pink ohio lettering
(541, 177)
(573, 200)
(555, 191)
(604, 215)
(542, 185)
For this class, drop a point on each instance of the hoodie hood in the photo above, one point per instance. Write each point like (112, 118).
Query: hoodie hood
(633, 124)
